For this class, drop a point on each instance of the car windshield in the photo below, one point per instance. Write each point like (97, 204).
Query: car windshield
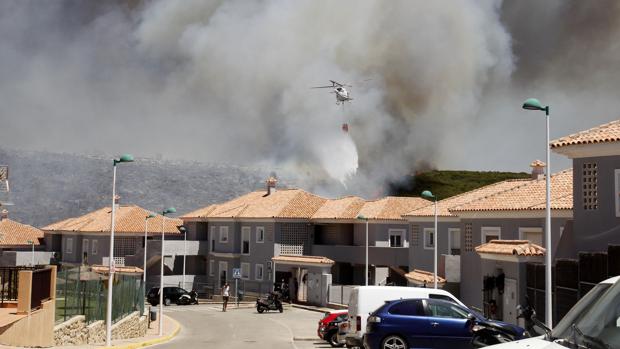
(595, 320)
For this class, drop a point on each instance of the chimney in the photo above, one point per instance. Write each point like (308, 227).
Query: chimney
(271, 185)
(117, 200)
(538, 169)
(4, 214)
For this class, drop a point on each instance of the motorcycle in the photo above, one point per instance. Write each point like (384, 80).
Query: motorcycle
(528, 314)
(188, 298)
(271, 302)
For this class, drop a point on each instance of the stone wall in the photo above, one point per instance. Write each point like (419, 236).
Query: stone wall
(76, 332)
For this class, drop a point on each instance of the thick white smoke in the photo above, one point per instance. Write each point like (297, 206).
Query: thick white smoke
(229, 81)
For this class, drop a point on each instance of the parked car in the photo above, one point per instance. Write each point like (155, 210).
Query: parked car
(426, 323)
(594, 322)
(366, 299)
(171, 294)
(328, 326)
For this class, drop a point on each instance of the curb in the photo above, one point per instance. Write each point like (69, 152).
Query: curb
(298, 339)
(152, 341)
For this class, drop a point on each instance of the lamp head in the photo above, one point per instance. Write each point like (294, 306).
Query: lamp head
(124, 158)
(30, 242)
(427, 194)
(182, 229)
(151, 215)
(362, 217)
(532, 104)
(169, 210)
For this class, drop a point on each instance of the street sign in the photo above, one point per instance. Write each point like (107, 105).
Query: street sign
(236, 273)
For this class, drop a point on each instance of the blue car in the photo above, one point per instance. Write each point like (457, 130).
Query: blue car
(424, 323)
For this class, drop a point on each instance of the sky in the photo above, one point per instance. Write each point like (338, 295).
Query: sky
(435, 84)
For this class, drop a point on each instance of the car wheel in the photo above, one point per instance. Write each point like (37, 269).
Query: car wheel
(332, 338)
(167, 301)
(260, 310)
(394, 342)
(280, 309)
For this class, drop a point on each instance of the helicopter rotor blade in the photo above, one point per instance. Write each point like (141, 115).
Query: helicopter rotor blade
(322, 87)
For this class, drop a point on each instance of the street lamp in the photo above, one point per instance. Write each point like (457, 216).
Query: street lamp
(183, 230)
(427, 194)
(161, 274)
(108, 323)
(32, 243)
(366, 269)
(146, 229)
(534, 104)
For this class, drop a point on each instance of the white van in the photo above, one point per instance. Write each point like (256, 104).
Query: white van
(594, 322)
(366, 299)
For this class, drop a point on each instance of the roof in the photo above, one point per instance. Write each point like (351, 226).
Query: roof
(392, 207)
(444, 205)
(129, 220)
(538, 163)
(283, 203)
(343, 208)
(511, 247)
(530, 195)
(318, 260)
(14, 233)
(104, 269)
(609, 132)
(421, 277)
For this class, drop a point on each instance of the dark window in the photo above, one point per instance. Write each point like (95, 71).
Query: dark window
(446, 310)
(413, 307)
(246, 247)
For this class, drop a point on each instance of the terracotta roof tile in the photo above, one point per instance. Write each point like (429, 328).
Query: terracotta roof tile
(129, 219)
(343, 208)
(609, 132)
(537, 163)
(421, 277)
(444, 205)
(200, 213)
(511, 247)
(392, 207)
(530, 195)
(15, 233)
(303, 259)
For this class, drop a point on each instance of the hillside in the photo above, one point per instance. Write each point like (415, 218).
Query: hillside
(444, 184)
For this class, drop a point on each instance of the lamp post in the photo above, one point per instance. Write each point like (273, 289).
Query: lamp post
(146, 230)
(108, 322)
(31, 242)
(366, 269)
(161, 274)
(427, 194)
(534, 104)
(183, 230)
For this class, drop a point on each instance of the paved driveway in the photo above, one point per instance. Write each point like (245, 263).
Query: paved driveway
(206, 326)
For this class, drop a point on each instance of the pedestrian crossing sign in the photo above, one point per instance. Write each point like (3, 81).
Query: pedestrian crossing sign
(236, 273)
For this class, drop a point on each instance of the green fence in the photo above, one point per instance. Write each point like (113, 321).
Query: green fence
(80, 291)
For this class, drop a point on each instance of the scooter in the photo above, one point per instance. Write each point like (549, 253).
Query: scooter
(188, 298)
(528, 314)
(486, 333)
(271, 302)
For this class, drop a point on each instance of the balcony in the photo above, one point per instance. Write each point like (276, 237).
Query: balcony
(177, 247)
(386, 256)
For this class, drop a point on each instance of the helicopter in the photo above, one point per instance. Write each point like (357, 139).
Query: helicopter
(342, 95)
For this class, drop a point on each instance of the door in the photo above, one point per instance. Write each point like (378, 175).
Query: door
(510, 301)
(223, 273)
(448, 325)
(408, 319)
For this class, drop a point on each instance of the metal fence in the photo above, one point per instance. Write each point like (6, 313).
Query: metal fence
(9, 277)
(80, 291)
(339, 294)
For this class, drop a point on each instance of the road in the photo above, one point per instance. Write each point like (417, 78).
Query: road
(206, 326)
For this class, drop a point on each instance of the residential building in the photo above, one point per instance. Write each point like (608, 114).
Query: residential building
(20, 244)
(86, 240)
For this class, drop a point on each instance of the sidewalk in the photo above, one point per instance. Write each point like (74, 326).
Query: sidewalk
(171, 329)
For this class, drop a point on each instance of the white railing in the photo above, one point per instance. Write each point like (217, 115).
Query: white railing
(118, 261)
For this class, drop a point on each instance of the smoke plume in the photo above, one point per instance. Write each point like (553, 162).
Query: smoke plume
(228, 81)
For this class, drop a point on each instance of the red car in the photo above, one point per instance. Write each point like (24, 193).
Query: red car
(327, 325)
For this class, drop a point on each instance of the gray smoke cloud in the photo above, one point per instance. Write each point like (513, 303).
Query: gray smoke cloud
(228, 81)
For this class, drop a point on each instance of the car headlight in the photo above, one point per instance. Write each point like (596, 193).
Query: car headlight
(374, 319)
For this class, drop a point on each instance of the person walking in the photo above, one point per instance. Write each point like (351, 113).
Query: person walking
(225, 295)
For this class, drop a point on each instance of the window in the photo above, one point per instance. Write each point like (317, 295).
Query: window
(223, 268)
(441, 296)
(224, 235)
(411, 308)
(211, 267)
(260, 234)
(534, 235)
(84, 245)
(125, 246)
(95, 248)
(69, 245)
(589, 189)
(245, 240)
(212, 246)
(469, 243)
(415, 234)
(245, 271)
(396, 237)
(429, 238)
(445, 310)
(455, 241)
(258, 272)
(617, 198)
(490, 233)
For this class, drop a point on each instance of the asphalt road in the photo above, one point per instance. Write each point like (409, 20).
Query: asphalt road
(206, 326)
